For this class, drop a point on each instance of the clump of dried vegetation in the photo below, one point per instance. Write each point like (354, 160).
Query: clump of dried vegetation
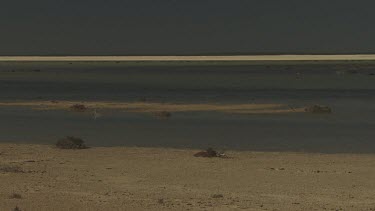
(71, 142)
(78, 108)
(318, 109)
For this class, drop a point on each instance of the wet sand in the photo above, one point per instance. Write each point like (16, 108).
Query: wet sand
(120, 178)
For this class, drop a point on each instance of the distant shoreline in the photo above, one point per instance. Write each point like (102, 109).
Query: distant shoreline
(352, 57)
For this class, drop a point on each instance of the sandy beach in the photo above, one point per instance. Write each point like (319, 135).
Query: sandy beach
(42, 177)
(186, 105)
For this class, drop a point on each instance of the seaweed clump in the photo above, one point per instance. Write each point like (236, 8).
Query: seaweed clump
(318, 109)
(71, 142)
(78, 108)
(210, 153)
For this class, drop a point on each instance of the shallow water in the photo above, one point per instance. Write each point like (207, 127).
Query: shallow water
(348, 89)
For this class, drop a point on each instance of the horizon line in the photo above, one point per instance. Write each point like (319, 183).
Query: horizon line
(280, 57)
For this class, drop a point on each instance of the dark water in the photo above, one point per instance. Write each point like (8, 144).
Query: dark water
(348, 89)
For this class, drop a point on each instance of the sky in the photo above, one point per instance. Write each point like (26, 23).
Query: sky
(186, 27)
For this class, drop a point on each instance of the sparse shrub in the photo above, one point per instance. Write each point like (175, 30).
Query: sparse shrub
(78, 108)
(318, 109)
(71, 142)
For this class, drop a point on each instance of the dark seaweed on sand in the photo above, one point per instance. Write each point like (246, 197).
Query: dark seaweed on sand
(78, 107)
(209, 153)
(71, 142)
(318, 109)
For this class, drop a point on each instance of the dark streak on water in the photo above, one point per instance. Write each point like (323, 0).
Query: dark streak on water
(350, 93)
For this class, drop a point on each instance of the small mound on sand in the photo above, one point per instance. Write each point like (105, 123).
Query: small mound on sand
(210, 153)
(318, 109)
(78, 107)
(71, 142)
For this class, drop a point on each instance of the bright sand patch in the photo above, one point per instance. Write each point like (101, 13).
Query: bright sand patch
(194, 58)
(121, 178)
(160, 107)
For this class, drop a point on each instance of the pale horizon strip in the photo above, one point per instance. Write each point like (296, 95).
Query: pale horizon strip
(352, 57)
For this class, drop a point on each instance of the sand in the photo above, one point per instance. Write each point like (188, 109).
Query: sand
(145, 107)
(118, 178)
(358, 57)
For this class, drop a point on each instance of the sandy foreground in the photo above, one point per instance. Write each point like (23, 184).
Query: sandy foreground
(119, 178)
(194, 58)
